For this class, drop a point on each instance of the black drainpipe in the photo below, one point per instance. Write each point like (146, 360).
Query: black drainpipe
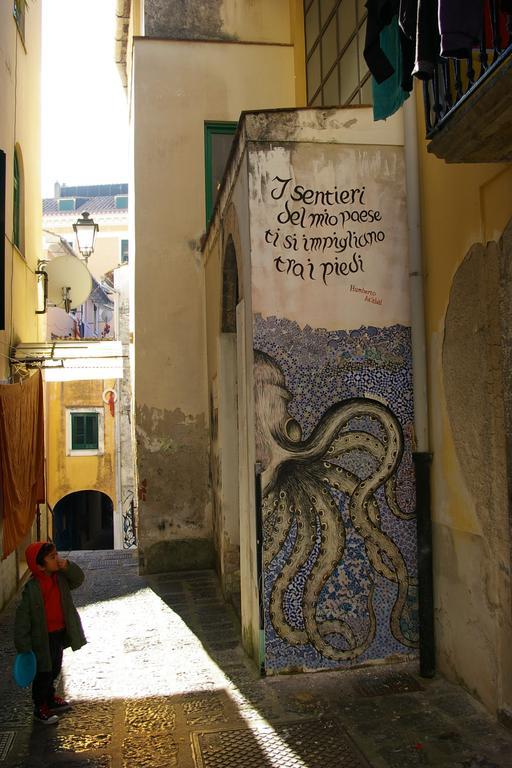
(422, 462)
(259, 554)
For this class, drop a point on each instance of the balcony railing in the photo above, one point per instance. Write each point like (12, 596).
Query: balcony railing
(455, 80)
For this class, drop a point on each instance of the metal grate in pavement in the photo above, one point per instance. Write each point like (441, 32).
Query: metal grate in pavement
(6, 742)
(387, 684)
(288, 745)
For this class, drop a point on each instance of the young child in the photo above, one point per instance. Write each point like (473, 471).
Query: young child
(47, 622)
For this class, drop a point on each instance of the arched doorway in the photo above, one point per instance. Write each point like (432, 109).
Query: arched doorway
(84, 520)
(228, 430)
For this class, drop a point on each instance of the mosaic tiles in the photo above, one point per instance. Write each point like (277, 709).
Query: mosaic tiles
(321, 369)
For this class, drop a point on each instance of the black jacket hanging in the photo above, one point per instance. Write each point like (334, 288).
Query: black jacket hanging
(380, 15)
(419, 23)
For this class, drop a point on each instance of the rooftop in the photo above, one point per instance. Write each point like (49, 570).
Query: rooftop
(96, 199)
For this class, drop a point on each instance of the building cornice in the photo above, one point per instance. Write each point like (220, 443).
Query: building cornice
(123, 13)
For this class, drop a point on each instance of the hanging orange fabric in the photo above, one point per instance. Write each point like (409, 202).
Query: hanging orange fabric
(21, 457)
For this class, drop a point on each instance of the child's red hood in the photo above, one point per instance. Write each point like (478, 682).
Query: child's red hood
(31, 553)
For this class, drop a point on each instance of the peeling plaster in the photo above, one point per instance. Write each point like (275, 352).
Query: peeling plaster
(172, 457)
(287, 125)
(473, 569)
(473, 378)
(185, 19)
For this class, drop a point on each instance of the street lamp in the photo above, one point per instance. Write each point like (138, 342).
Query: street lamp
(85, 231)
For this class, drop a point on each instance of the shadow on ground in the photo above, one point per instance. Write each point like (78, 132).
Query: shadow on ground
(164, 682)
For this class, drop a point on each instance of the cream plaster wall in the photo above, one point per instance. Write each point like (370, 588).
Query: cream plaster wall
(185, 84)
(463, 205)
(267, 21)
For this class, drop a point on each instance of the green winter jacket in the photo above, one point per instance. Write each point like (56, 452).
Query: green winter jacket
(30, 630)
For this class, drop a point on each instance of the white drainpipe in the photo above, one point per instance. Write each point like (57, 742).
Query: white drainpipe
(419, 347)
(422, 457)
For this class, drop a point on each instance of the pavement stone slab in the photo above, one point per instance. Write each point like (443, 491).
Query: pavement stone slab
(164, 682)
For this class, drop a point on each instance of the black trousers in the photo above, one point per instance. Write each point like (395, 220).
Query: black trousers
(43, 689)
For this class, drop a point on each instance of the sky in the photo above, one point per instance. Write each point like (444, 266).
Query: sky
(84, 109)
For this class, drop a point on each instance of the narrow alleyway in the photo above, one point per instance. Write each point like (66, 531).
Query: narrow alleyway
(164, 682)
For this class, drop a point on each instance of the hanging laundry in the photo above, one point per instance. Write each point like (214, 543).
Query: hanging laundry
(390, 57)
(21, 457)
(460, 25)
(389, 95)
(408, 17)
(380, 13)
(419, 22)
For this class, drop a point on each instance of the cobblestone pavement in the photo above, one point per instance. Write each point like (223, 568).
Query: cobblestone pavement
(163, 682)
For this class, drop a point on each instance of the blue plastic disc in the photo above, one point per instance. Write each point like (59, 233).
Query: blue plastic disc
(24, 668)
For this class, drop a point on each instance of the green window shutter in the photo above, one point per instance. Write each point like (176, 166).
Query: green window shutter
(91, 429)
(84, 431)
(124, 251)
(218, 139)
(16, 203)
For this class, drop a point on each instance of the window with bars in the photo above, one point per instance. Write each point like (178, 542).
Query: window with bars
(336, 72)
(84, 431)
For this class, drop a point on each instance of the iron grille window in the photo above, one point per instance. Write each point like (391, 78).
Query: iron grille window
(84, 431)
(218, 139)
(18, 11)
(336, 72)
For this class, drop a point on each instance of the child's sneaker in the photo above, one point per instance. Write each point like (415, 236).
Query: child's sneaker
(58, 704)
(43, 715)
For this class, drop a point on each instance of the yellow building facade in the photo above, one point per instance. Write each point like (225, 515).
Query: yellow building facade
(466, 211)
(20, 43)
(73, 470)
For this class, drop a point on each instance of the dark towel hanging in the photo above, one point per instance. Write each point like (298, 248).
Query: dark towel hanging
(390, 95)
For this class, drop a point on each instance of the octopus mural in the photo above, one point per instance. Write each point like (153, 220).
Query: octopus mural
(303, 481)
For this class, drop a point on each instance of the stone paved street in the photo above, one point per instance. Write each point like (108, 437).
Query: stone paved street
(164, 682)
